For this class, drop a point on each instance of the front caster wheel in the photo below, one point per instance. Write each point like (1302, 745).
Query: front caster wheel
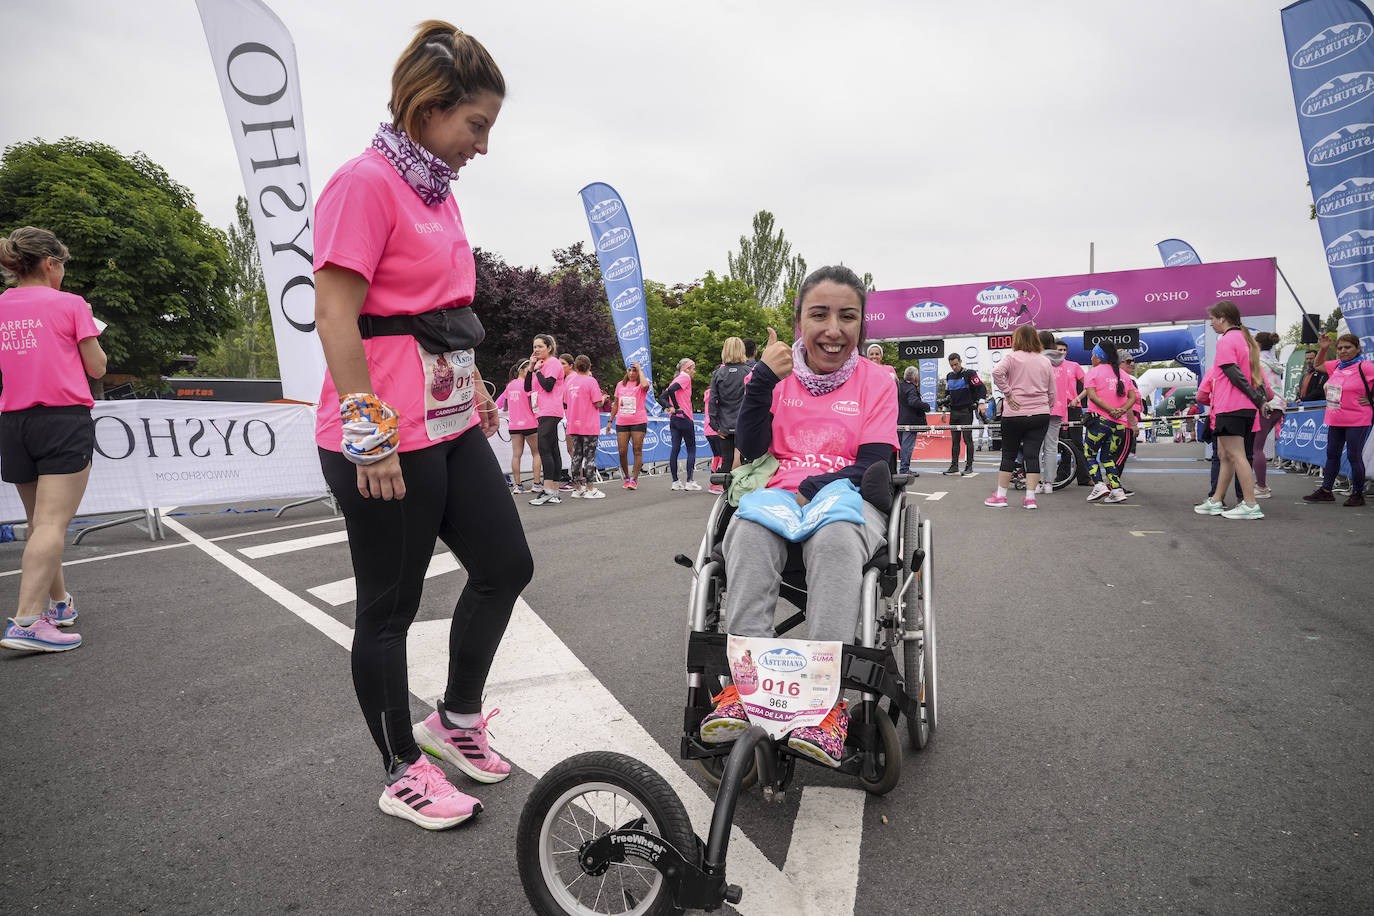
(578, 801)
(889, 752)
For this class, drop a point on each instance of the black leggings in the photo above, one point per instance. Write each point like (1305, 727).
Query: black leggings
(454, 491)
(549, 455)
(1023, 435)
(688, 434)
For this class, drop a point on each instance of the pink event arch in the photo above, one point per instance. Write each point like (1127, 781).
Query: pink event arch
(1124, 298)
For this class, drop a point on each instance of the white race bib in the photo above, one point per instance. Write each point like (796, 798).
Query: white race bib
(628, 404)
(785, 683)
(449, 391)
(1333, 395)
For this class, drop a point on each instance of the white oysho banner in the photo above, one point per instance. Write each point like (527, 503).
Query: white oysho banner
(255, 63)
(155, 454)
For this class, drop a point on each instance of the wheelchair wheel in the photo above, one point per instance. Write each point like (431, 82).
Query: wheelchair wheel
(579, 800)
(914, 669)
(713, 768)
(1066, 468)
(889, 756)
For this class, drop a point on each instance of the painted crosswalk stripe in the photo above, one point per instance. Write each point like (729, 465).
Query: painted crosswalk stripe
(344, 590)
(294, 544)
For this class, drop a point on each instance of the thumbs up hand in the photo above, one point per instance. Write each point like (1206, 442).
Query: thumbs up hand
(777, 355)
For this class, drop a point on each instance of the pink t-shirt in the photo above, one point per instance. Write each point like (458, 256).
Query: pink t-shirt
(1231, 349)
(1344, 388)
(1029, 378)
(683, 396)
(1101, 379)
(415, 259)
(40, 331)
(817, 435)
(583, 394)
(706, 428)
(1066, 377)
(548, 403)
(630, 407)
(515, 400)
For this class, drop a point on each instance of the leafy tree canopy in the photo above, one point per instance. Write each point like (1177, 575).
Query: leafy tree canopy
(249, 350)
(142, 255)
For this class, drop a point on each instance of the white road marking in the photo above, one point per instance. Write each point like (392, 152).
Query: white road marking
(930, 497)
(288, 599)
(214, 540)
(344, 590)
(823, 859)
(278, 547)
(1141, 534)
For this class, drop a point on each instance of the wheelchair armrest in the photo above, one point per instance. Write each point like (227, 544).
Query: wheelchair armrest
(720, 480)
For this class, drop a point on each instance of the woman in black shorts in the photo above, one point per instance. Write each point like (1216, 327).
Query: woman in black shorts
(47, 348)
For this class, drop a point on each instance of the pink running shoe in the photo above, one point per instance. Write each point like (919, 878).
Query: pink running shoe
(39, 636)
(1028, 502)
(823, 743)
(62, 613)
(423, 795)
(634, 483)
(465, 748)
(996, 502)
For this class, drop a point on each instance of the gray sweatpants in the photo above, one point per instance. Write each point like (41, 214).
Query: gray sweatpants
(834, 556)
(1049, 451)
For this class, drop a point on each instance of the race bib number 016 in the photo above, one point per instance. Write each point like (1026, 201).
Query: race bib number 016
(785, 683)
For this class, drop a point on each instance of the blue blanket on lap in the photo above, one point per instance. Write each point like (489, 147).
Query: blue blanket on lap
(777, 510)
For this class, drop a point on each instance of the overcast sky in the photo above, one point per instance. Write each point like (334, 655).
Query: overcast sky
(929, 143)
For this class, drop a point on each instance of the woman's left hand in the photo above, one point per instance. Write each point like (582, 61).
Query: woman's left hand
(1013, 403)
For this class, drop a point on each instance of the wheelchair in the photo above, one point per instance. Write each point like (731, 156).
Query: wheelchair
(603, 833)
(892, 665)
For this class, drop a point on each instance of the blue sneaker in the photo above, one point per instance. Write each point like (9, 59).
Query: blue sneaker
(62, 613)
(39, 636)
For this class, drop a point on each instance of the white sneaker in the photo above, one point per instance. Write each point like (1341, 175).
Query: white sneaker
(1098, 491)
(1263, 493)
(677, 485)
(692, 485)
(594, 493)
(576, 494)
(1116, 496)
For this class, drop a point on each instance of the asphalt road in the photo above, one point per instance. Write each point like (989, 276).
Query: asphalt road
(1142, 711)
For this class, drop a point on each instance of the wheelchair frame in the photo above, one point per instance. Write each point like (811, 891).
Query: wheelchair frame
(896, 608)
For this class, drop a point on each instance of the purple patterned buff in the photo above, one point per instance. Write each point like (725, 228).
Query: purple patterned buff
(814, 383)
(426, 174)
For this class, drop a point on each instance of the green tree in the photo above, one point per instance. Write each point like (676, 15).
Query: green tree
(142, 255)
(249, 350)
(697, 324)
(763, 260)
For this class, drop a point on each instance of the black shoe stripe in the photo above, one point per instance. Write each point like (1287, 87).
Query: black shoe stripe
(419, 803)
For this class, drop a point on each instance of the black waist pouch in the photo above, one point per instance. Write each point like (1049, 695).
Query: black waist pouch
(439, 331)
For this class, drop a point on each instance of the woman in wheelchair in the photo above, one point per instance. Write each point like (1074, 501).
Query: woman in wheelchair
(826, 414)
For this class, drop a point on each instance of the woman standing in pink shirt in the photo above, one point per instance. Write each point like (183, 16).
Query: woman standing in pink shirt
(545, 384)
(1106, 434)
(584, 397)
(1026, 380)
(46, 433)
(1237, 399)
(630, 419)
(402, 429)
(522, 426)
(1349, 393)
